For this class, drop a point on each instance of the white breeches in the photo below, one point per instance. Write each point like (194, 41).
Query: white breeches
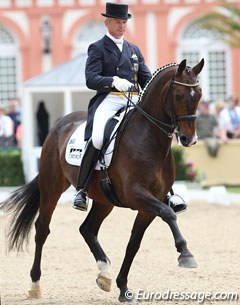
(109, 106)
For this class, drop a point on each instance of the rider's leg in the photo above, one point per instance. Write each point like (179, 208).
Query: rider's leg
(109, 106)
(88, 164)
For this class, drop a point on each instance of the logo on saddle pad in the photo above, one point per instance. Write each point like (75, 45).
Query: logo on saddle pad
(76, 145)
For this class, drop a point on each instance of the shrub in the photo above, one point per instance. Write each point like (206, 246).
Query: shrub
(184, 170)
(11, 173)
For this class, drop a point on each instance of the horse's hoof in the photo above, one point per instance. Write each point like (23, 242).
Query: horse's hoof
(104, 283)
(35, 291)
(34, 294)
(127, 297)
(187, 262)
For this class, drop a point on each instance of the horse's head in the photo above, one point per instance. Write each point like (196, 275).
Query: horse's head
(184, 94)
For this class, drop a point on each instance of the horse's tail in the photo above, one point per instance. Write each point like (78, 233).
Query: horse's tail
(23, 205)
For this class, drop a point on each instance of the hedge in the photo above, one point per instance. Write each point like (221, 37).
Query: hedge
(11, 167)
(184, 170)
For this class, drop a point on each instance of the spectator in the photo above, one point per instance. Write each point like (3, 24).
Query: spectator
(15, 115)
(206, 123)
(220, 104)
(229, 120)
(6, 129)
(19, 135)
(207, 128)
(42, 122)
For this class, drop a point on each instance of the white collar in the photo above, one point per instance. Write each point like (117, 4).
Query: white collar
(116, 40)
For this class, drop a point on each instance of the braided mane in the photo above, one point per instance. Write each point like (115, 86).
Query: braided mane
(155, 74)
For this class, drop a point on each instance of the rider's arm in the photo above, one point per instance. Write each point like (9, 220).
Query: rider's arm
(95, 78)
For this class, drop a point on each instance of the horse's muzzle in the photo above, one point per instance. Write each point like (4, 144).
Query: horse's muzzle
(187, 141)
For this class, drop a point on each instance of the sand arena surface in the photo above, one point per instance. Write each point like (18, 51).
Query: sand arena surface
(69, 270)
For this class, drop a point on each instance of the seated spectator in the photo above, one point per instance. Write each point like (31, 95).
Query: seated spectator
(229, 120)
(15, 115)
(6, 129)
(206, 122)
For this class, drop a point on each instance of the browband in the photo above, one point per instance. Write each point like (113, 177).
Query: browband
(184, 84)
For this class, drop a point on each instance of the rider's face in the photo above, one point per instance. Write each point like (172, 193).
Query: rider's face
(116, 27)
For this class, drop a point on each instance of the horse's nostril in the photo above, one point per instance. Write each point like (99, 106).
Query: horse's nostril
(184, 140)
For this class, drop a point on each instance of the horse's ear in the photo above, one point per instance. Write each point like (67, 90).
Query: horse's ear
(181, 67)
(198, 68)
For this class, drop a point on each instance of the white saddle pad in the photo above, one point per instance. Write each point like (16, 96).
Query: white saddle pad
(76, 145)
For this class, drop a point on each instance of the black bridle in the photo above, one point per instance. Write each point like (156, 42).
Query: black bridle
(174, 118)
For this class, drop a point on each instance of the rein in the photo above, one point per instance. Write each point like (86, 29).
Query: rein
(159, 124)
(153, 120)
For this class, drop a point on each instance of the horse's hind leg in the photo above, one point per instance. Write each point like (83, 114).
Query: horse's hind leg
(141, 223)
(89, 230)
(49, 196)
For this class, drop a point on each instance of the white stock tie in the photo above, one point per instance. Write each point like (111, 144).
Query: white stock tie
(119, 43)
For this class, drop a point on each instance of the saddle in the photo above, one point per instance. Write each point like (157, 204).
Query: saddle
(106, 183)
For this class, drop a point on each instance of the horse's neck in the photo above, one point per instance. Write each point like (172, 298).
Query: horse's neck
(145, 137)
(149, 135)
(153, 99)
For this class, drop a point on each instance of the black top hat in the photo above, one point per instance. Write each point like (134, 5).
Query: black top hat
(114, 10)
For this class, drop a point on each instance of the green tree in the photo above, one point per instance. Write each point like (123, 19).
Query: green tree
(225, 20)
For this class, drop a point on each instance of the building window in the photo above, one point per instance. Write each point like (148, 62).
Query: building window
(8, 85)
(194, 31)
(217, 74)
(8, 66)
(86, 35)
(192, 57)
(5, 36)
(197, 43)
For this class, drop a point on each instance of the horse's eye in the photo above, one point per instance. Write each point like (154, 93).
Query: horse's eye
(179, 97)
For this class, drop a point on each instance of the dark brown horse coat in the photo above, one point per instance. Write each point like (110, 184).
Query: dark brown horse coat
(142, 174)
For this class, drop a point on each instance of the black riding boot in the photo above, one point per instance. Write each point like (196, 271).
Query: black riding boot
(175, 202)
(88, 164)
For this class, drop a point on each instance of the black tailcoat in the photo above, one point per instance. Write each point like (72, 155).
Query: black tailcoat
(104, 61)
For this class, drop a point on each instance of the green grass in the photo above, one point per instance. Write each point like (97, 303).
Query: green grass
(230, 189)
(233, 189)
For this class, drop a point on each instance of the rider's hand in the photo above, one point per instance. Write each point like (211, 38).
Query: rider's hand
(121, 84)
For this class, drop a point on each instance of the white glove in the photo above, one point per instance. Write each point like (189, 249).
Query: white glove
(121, 84)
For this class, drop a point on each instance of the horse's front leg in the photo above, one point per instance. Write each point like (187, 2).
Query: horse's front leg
(147, 202)
(89, 230)
(185, 259)
(141, 223)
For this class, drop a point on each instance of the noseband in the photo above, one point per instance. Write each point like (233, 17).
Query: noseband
(174, 119)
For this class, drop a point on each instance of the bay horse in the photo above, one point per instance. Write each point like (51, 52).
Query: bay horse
(142, 173)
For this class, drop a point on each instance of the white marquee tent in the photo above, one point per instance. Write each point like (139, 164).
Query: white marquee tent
(63, 90)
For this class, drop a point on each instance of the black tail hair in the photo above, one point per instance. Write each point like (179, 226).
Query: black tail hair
(22, 205)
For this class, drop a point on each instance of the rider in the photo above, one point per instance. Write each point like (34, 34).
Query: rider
(113, 66)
